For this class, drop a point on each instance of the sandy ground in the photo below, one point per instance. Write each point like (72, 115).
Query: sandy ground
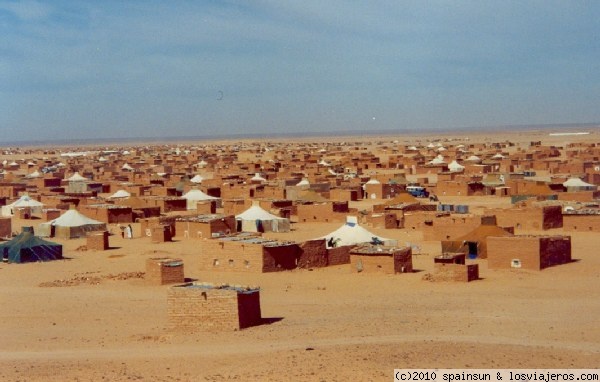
(321, 325)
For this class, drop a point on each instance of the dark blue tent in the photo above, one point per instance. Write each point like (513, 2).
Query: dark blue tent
(26, 247)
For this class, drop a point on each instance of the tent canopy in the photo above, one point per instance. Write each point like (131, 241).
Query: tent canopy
(28, 248)
(351, 233)
(256, 219)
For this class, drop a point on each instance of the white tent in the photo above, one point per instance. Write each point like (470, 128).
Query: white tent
(351, 234)
(35, 174)
(257, 178)
(127, 167)
(71, 224)
(24, 201)
(454, 166)
(576, 184)
(373, 181)
(197, 179)
(256, 219)
(474, 158)
(437, 160)
(76, 178)
(498, 156)
(194, 196)
(304, 182)
(120, 194)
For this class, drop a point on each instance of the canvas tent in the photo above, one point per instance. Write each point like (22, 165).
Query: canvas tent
(24, 201)
(197, 179)
(195, 196)
(576, 184)
(454, 166)
(256, 219)
(351, 234)
(121, 194)
(25, 248)
(71, 224)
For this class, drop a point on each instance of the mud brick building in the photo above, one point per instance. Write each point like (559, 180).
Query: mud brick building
(97, 241)
(529, 218)
(582, 220)
(379, 259)
(322, 212)
(205, 226)
(385, 220)
(528, 252)
(163, 270)
(452, 267)
(251, 253)
(454, 272)
(108, 213)
(209, 307)
(160, 233)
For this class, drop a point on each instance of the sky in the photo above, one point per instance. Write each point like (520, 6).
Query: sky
(105, 69)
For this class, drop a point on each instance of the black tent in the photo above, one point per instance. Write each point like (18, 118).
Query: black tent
(26, 247)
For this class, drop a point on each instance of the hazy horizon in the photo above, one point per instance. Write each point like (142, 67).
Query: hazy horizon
(79, 70)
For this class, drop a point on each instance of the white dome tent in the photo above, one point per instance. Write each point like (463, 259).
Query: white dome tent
(24, 201)
(71, 224)
(195, 196)
(576, 184)
(256, 219)
(351, 234)
(121, 194)
(454, 166)
(197, 179)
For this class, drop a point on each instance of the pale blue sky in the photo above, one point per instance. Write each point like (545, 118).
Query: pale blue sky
(92, 69)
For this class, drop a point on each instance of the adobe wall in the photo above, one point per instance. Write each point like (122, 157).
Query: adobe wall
(160, 233)
(403, 260)
(580, 222)
(5, 227)
(230, 256)
(97, 241)
(320, 212)
(281, 257)
(191, 309)
(161, 271)
(454, 272)
(449, 227)
(555, 250)
(501, 252)
(360, 263)
(521, 218)
(583, 196)
(313, 254)
(383, 220)
(552, 217)
(339, 255)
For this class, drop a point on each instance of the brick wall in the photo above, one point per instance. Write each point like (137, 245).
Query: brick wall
(97, 241)
(226, 256)
(403, 260)
(161, 271)
(210, 309)
(339, 255)
(313, 254)
(555, 250)
(5, 227)
(455, 272)
(160, 233)
(502, 251)
(577, 222)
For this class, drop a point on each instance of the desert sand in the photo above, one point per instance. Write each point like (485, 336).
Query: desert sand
(92, 317)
